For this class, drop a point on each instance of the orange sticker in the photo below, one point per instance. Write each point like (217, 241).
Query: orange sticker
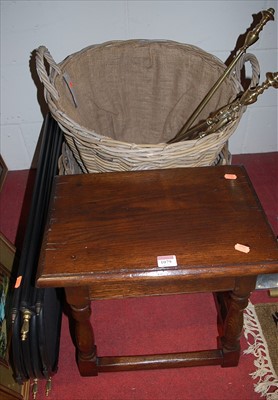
(242, 248)
(230, 176)
(18, 282)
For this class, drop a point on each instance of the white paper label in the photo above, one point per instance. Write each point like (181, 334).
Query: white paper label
(167, 261)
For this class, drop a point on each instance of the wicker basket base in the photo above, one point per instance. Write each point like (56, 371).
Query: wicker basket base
(69, 166)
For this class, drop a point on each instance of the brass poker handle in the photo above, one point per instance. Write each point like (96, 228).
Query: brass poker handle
(250, 39)
(229, 112)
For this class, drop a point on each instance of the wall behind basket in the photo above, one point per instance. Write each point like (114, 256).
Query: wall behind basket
(68, 26)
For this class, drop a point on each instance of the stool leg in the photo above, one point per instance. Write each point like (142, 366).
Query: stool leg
(79, 303)
(233, 323)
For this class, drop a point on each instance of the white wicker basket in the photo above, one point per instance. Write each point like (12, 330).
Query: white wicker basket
(120, 102)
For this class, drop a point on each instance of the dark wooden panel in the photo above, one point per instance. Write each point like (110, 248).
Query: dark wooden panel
(175, 360)
(118, 223)
(156, 286)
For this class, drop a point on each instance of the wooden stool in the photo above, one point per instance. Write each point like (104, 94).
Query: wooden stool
(159, 232)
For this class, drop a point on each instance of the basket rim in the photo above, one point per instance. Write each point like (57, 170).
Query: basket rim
(140, 43)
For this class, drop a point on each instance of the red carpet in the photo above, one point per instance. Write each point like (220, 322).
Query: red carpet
(151, 325)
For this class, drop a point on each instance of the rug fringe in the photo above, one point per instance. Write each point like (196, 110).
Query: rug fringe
(258, 347)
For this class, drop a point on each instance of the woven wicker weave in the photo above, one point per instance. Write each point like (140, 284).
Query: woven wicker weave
(119, 103)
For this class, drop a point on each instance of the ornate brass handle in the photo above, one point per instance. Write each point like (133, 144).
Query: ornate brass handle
(250, 39)
(229, 112)
(26, 324)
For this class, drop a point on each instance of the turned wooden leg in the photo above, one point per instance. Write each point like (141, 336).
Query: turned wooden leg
(79, 303)
(233, 324)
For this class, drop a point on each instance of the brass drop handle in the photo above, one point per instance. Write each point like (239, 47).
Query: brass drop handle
(48, 386)
(35, 388)
(26, 324)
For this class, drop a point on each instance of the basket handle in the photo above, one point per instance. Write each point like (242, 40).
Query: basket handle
(255, 66)
(42, 54)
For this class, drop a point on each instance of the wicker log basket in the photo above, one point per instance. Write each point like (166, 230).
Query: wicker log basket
(120, 102)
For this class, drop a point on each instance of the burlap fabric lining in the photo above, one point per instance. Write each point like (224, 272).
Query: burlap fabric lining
(140, 93)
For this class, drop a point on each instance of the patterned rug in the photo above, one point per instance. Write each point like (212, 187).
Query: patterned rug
(261, 333)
